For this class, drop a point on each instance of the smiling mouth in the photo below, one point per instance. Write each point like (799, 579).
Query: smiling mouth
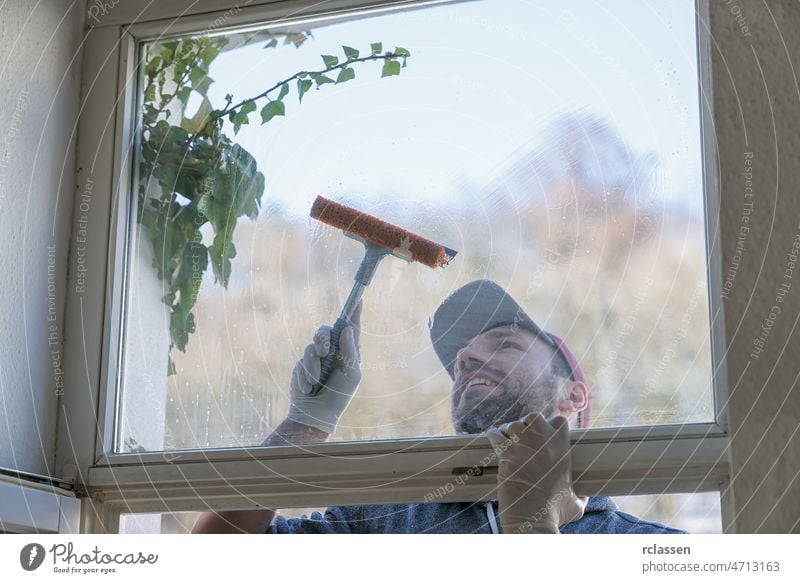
(479, 382)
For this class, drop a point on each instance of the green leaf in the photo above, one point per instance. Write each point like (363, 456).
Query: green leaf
(350, 53)
(209, 53)
(330, 61)
(177, 72)
(239, 120)
(197, 73)
(402, 53)
(168, 54)
(181, 324)
(321, 79)
(345, 75)
(377, 48)
(186, 47)
(253, 196)
(248, 107)
(203, 202)
(152, 66)
(203, 85)
(238, 188)
(272, 109)
(390, 67)
(183, 94)
(284, 91)
(175, 135)
(303, 85)
(242, 117)
(221, 252)
(194, 264)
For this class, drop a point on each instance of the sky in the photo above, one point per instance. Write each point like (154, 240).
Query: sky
(484, 80)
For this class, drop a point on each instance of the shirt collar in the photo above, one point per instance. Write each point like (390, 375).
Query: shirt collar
(600, 504)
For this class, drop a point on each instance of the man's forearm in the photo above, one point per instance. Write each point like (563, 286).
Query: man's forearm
(256, 521)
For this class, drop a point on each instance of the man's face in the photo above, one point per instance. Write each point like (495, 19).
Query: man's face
(501, 376)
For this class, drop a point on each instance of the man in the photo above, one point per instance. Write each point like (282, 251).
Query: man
(509, 377)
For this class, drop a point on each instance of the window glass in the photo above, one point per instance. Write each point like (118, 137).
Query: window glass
(555, 146)
(697, 513)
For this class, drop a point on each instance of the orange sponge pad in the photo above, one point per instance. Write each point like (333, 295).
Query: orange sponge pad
(379, 232)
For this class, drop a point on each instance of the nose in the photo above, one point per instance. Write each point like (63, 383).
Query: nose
(466, 358)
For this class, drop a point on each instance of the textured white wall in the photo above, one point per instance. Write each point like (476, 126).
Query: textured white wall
(757, 110)
(40, 46)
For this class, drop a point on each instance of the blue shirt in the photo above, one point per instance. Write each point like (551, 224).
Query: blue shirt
(602, 516)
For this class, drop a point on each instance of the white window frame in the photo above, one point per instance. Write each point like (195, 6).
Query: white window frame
(31, 504)
(611, 461)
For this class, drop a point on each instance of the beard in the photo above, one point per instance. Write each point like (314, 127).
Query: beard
(514, 402)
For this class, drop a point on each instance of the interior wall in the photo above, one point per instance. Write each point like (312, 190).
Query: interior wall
(756, 50)
(40, 50)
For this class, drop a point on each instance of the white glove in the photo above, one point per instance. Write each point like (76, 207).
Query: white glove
(535, 475)
(324, 410)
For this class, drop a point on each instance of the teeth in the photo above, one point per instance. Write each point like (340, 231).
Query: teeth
(479, 381)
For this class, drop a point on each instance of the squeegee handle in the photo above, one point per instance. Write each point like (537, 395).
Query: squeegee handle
(364, 275)
(329, 361)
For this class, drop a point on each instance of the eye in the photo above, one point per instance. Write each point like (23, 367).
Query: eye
(507, 344)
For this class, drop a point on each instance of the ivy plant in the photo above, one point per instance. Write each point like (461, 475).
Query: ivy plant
(193, 173)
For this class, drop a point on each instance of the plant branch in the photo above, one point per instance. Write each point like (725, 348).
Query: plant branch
(387, 55)
(180, 83)
(219, 114)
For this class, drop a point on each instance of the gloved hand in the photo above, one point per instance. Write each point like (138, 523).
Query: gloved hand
(535, 475)
(324, 410)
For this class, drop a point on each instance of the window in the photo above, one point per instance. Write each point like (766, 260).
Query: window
(574, 180)
(577, 179)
